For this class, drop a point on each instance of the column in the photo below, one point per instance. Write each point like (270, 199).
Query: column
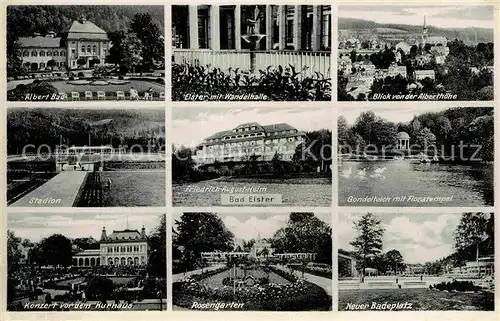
(214, 27)
(193, 27)
(269, 27)
(237, 27)
(316, 28)
(282, 26)
(297, 27)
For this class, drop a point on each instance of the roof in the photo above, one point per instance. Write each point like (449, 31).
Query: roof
(436, 39)
(88, 253)
(403, 135)
(423, 72)
(84, 30)
(123, 236)
(40, 42)
(258, 129)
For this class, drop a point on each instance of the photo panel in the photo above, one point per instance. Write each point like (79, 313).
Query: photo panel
(86, 261)
(433, 156)
(86, 157)
(252, 261)
(416, 52)
(260, 156)
(85, 53)
(416, 261)
(251, 52)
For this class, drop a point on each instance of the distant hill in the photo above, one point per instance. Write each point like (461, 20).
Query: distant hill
(26, 20)
(467, 35)
(48, 126)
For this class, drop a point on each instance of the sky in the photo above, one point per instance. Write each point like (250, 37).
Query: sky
(248, 226)
(443, 16)
(191, 125)
(393, 112)
(420, 237)
(35, 226)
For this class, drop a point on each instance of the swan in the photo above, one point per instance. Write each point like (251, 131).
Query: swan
(347, 172)
(362, 173)
(380, 170)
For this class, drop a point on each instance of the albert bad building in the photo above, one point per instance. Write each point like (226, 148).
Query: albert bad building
(120, 248)
(250, 140)
(81, 44)
(221, 36)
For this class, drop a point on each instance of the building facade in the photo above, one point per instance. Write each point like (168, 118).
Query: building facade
(81, 45)
(250, 140)
(220, 35)
(484, 266)
(120, 248)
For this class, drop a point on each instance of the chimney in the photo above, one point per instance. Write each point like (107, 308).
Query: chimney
(103, 234)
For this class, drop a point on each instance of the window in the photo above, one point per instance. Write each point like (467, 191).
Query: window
(26, 53)
(94, 49)
(88, 48)
(83, 49)
(42, 65)
(56, 53)
(34, 54)
(73, 52)
(42, 53)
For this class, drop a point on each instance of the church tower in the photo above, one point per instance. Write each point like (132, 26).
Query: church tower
(103, 234)
(424, 33)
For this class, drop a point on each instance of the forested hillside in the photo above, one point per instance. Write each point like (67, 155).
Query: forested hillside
(26, 20)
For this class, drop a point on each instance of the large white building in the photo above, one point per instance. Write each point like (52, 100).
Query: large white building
(81, 45)
(120, 248)
(246, 140)
(484, 266)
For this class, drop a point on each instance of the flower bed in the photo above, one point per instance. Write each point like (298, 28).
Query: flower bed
(277, 83)
(293, 296)
(323, 271)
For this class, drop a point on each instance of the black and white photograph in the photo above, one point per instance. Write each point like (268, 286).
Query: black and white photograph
(85, 53)
(431, 156)
(251, 156)
(416, 261)
(251, 52)
(415, 52)
(85, 157)
(86, 262)
(252, 261)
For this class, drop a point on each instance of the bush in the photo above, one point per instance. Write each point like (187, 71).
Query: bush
(71, 78)
(279, 83)
(120, 77)
(460, 286)
(81, 74)
(41, 88)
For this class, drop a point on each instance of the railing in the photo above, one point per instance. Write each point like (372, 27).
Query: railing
(315, 61)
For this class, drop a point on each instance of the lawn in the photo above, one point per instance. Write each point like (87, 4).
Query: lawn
(216, 280)
(78, 279)
(135, 188)
(421, 299)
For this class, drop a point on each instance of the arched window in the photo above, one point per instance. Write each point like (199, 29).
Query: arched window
(110, 261)
(83, 49)
(94, 49)
(63, 53)
(92, 261)
(87, 263)
(56, 53)
(42, 53)
(42, 65)
(34, 54)
(26, 53)
(88, 49)
(80, 262)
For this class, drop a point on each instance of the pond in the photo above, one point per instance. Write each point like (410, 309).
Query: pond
(411, 183)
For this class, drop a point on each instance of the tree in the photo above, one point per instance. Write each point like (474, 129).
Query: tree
(342, 131)
(51, 64)
(471, 231)
(86, 243)
(368, 242)
(443, 128)
(151, 39)
(81, 62)
(305, 233)
(201, 232)
(130, 52)
(394, 261)
(157, 243)
(55, 250)
(426, 138)
(14, 254)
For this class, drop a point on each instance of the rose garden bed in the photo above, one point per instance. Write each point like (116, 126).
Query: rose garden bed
(291, 294)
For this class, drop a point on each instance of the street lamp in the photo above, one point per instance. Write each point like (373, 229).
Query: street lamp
(253, 37)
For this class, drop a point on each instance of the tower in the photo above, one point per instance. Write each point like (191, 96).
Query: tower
(424, 33)
(103, 234)
(143, 232)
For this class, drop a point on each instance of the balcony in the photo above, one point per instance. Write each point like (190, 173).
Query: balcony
(315, 61)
